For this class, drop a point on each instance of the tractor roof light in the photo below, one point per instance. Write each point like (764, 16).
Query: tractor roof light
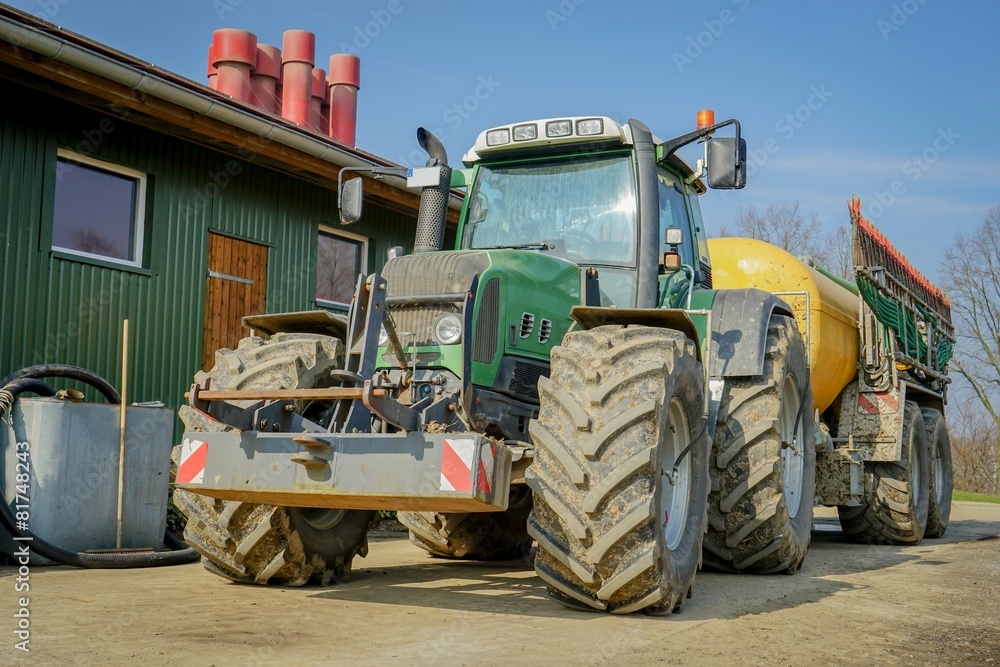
(498, 137)
(525, 132)
(559, 128)
(706, 118)
(590, 126)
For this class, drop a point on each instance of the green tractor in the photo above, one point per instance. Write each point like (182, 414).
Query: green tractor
(566, 376)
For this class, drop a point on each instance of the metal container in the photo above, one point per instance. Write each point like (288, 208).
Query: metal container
(72, 473)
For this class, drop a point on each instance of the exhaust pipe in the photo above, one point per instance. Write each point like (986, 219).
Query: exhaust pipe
(433, 211)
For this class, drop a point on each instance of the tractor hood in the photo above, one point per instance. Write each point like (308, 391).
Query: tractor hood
(520, 308)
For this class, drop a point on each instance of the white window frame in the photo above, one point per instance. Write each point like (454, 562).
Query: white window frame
(139, 214)
(363, 268)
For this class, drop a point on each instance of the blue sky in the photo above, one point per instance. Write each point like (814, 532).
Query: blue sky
(894, 101)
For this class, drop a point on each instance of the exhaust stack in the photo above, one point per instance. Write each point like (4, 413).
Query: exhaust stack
(432, 216)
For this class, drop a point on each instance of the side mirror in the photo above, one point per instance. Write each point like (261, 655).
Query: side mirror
(727, 163)
(350, 200)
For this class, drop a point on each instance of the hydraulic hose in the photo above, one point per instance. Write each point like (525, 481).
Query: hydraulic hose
(67, 371)
(28, 379)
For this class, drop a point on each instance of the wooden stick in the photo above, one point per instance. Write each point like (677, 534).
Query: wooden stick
(121, 436)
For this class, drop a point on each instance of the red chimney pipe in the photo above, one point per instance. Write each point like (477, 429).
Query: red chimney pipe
(319, 93)
(213, 72)
(345, 80)
(235, 53)
(265, 76)
(298, 49)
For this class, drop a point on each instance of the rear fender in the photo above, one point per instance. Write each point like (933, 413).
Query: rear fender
(739, 331)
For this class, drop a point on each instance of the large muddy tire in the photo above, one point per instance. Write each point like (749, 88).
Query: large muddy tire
(941, 485)
(763, 463)
(260, 544)
(476, 535)
(617, 529)
(895, 509)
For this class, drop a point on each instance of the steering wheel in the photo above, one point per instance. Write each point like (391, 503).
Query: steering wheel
(579, 243)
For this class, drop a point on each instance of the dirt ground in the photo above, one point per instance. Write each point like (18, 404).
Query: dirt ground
(935, 603)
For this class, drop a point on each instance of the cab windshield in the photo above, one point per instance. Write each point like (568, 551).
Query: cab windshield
(580, 209)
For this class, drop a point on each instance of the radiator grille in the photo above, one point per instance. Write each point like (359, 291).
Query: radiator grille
(429, 273)
(524, 379)
(484, 347)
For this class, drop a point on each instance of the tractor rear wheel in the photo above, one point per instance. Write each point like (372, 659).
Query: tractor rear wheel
(895, 511)
(764, 463)
(259, 544)
(620, 476)
(476, 535)
(940, 478)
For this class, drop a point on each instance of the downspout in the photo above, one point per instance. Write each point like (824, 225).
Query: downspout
(649, 216)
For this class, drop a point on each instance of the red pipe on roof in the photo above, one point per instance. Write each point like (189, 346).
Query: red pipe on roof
(319, 93)
(213, 72)
(235, 53)
(298, 55)
(345, 81)
(264, 79)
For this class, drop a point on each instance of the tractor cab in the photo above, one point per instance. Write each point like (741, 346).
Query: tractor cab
(571, 188)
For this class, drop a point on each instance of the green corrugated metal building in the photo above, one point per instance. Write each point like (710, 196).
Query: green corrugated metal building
(83, 127)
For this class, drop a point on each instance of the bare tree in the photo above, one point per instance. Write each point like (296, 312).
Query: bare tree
(972, 269)
(783, 225)
(786, 226)
(973, 446)
(839, 252)
(89, 240)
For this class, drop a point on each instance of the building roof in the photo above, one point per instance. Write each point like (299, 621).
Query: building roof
(41, 54)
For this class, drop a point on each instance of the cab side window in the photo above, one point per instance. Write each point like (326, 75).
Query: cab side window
(674, 212)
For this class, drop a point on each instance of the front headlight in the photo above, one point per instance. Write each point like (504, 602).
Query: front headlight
(448, 329)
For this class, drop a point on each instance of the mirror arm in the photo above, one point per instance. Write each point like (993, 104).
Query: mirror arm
(376, 172)
(673, 145)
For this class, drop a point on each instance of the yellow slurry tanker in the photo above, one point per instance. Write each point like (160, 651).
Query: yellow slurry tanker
(877, 352)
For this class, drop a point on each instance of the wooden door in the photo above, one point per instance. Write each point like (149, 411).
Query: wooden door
(237, 285)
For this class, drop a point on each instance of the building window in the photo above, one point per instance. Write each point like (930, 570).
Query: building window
(340, 258)
(99, 209)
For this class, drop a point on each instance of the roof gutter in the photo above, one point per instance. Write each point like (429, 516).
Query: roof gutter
(68, 53)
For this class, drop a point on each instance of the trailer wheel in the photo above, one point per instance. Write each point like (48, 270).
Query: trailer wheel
(764, 463)
(940, 477)
(259, 544)
(475, 535)
(619, 526)
(895, 511)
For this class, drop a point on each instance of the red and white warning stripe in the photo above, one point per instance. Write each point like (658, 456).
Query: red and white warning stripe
(878, 402)
(486, 466)
(191, 469)
(456, 465)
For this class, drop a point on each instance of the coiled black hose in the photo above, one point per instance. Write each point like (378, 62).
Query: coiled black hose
(28, 379)
(67, 371)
